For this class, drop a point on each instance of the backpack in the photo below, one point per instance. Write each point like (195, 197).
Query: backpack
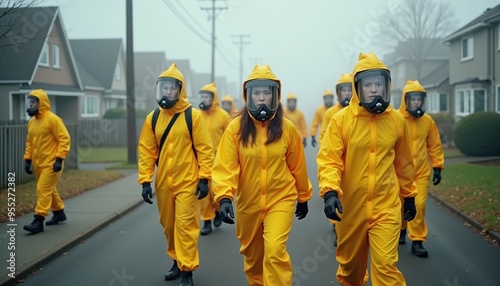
(189, 123)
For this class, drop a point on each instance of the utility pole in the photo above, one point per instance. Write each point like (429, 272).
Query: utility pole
(212, 11)
(131, 134)
(241, 43)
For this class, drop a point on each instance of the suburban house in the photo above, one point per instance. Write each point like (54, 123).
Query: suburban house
(147, 67)
(101, 65)
(35, 53)
(475, 64)
(403, 67)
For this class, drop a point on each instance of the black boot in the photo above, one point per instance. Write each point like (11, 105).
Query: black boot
(186, 278)
(59, 216)
(173, 273)
(418, 249)
(36, 226)
(217, 219)
(335, 239)
(207, 228)
(402, 236)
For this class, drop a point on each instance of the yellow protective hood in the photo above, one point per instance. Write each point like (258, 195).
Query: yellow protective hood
(327, 92)
(43, 100)
(211, 88)
(291, 95)
(411, 86)
(262, 72)
(183, 102)
(365, 62)
(345, 78)
(228, 98)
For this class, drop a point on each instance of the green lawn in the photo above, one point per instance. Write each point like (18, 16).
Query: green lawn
(102, 154)
(452, 153)
(474, 190)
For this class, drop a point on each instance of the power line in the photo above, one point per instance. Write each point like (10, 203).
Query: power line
(184, 21)
(193, 19)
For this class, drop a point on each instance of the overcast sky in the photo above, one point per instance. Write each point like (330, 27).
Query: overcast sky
(301, 40)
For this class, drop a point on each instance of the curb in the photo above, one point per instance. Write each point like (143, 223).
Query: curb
(64, 246)
(495, 236)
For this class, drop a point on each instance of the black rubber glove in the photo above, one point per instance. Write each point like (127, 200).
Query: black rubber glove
(57, 165)
(27, 167)
(147, 193)
(313, 141)
(410, 210)
(202, 189)
(226, 211)
(437, 176)
(332, 204)
(304, 142)
(301, 210)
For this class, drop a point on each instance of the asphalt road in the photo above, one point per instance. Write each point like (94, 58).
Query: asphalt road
(131, 251)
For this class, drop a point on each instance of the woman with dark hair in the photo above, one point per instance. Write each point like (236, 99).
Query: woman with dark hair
(261, 160)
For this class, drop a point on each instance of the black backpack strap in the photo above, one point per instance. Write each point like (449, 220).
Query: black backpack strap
(189, 123)
(156, 114)
(165, 134)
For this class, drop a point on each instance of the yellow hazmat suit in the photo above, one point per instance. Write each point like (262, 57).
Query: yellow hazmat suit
(47, 140)
(267, 181)
(344, 78)
(424, 135)
(297, 117)
(178, 174)
(234, 111)
(216, 120)
(366, 159)
(320, 113)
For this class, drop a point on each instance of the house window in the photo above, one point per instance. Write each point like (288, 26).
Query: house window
(469, 101)
(118, 72)
(498, 99)
(479, 100)
(467, 49)
(437, 102)
(401, 70)
(90, 106)
(56, 57)
(498, 35)
(44, 56)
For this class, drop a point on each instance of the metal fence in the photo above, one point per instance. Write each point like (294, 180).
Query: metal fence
(105, 132)
(12, 145)
(85, 134)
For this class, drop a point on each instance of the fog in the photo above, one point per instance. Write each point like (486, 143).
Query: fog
(307, 44)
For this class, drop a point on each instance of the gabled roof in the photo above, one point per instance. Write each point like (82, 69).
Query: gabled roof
(437, 51)
(437, 76)
(491, 15)
(148, 66)
(21, 47)
(97, 60)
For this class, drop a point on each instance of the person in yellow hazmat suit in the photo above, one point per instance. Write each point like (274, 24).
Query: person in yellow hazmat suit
(47, 145)
(344, 94)
(261, 161)
(184, 158)
(296, 116)
(228, 105)
(320, 113)
(216, 120)
(364, 166)
(424, 135)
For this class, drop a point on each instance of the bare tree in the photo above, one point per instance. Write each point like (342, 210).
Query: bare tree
(12, 22)
(414, 27)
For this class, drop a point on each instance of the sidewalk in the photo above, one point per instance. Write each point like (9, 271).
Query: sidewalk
(94, 210)
(87, 213)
